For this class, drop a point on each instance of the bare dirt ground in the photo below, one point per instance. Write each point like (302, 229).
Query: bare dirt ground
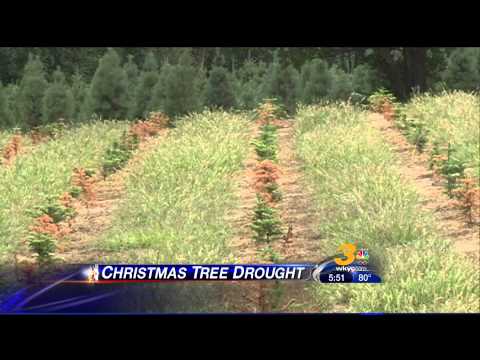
(94, 217)
(414, 168)
(300, 242)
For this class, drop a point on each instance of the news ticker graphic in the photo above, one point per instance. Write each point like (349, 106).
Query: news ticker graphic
(328, 272)
(106, 288)
(351, 265)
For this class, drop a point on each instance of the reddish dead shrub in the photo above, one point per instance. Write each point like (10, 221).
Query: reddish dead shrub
(265, 172)
(266, 175)
(388, 110)
(160, 119)
(468, 198)
(44, 225)
(81, 179)
(155, 123)
(12, 149)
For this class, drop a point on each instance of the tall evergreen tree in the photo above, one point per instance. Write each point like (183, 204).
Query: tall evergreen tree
(289, 87)
(219, 90)
(5, 116)
(201, 80)
(342, 86)
(281, 82)
(31, 92)
(79, 92)
(159, 90)
(316, 81)
(248, 84)
(182, 91)
(364, 80)
(11, 95)
(58, 102)
(108, 91)
(131, 69)
(462, 70)
(148, 80)
(272, 78)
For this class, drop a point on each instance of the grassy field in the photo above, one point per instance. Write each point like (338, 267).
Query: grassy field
(451, 117)
(174, 209)
(360, 196)
(46, 171)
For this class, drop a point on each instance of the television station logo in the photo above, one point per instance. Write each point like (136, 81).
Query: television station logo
(351, 253)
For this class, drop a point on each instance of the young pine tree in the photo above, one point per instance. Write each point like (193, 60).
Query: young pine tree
(219, 89)
(147, 81)
(108, 92)
(462, 72)
(30, 95)
(266, 223)
(182, 88)
(131, 69)
(316, 81)
(58, 102)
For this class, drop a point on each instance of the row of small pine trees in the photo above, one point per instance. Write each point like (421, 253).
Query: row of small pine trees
(51, 219)
(123, 91)
(464, 190)
(266, 223)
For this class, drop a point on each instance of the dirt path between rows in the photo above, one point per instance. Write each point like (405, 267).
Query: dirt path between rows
(414, 168)
(95, 217)
(296, 205)
(298, 219)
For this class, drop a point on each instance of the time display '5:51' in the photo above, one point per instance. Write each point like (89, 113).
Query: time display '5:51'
(336, 277)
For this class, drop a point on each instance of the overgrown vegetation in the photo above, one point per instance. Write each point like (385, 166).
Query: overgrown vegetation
(447, 128)
(175, 204)
(420, 271)
(46, 172)
(450, 118)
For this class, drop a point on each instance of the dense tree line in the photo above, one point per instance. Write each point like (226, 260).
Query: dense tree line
(77, 84)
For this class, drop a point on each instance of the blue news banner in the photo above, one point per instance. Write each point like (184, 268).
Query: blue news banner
(118, 288)
(328, 272)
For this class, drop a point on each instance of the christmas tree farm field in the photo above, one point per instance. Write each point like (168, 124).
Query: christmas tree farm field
(361, 196)
(45, 172)
(175, 205)
(449, 118)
